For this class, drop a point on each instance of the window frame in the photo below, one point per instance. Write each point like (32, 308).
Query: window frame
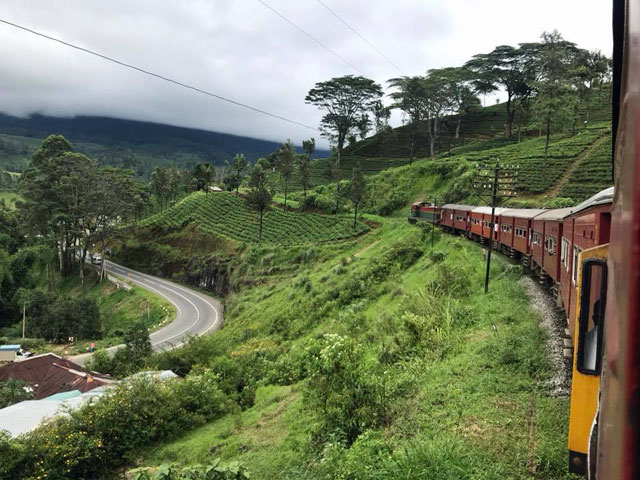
(583, 318)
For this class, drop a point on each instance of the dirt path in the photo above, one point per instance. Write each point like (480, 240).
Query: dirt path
(553, 191)
(553, 322)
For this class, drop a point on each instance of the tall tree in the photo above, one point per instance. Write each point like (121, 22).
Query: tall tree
(239, 167)
(344, 100)
(592, 69)
(506, 68)
(411, 98)
(111, 204)
(309, 146)
(555, 88)
(357, 191)
(456, 82)
(381, 115)
(55, 186)
(259, 195)
(304, 164)
(284, 161)
(364, 125)
(203, 175)
(304, 173)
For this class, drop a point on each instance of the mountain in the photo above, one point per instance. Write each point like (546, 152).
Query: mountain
(140, 146)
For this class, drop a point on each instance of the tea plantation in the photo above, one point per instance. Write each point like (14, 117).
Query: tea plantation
(224, 214)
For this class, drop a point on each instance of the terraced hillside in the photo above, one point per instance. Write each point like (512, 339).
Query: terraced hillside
(478, 130)
(223, 214)
(592, 172)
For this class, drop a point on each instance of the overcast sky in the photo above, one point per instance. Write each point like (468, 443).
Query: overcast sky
(242, 50)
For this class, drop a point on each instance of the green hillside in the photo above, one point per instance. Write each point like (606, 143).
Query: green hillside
(225, 215)
(139, 146)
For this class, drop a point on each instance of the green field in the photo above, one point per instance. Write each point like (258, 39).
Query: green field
(225, 215)
(464, 374)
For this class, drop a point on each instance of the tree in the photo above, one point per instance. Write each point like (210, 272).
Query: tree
(555, 95)
(411, 98)
(259, 195)
(203, 175)
(381, 116)
(110, 203)
(357, 191)
(284, 165)
(507, 68)
(309, 146)
(364, 125)
(344, 99)
(239, 166)
(55, 186)
(461, 96)
(592, 69)
(304, 173)
(304, 164)
(136, 339)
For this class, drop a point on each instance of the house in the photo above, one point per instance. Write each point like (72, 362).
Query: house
(8, 353)
(49, 374)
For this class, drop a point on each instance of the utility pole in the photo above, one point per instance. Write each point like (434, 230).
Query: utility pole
(24, 318)
(501, 186)
(433, 218)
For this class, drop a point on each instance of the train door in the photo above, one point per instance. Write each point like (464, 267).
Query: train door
(587, 359)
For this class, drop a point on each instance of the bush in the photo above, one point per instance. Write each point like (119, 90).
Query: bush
(14, 391)
(346, 395)
(56, 318)
(104, 435)
(214, 471)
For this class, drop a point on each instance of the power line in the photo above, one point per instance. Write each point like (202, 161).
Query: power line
(311, 37)
(156, 75)
(363, 39)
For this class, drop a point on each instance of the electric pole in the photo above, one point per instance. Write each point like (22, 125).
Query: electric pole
(500, 185)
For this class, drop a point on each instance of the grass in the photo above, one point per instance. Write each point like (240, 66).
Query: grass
(474, 389)
(225, 215)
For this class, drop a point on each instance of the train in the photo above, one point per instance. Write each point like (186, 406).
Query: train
(589, 255)
(554, 244)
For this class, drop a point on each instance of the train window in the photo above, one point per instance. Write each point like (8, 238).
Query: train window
(564, 253)
(550, 244)
(574, 273)
(592, 306)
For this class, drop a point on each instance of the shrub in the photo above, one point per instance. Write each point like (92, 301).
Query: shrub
(14, 391)
(346, 395)
(108, 433)
(214, 471)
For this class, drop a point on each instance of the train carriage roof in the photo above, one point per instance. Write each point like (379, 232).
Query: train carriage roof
(523, 212)
(601, 198)
(487, 210)
(455, 206)
(554, 214)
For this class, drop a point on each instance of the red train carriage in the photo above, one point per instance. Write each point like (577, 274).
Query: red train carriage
(586, 226)
(515, 227)
(456, 217)
(543, 241)
(481, 220)
(425, 212)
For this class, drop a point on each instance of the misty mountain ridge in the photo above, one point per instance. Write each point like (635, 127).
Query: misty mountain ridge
(138, 145)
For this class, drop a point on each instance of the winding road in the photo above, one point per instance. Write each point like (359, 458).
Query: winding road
(196, 313)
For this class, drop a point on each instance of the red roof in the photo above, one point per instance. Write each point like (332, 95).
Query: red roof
(49, 374)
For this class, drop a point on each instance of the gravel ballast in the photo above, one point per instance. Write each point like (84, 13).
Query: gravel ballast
(553, 322)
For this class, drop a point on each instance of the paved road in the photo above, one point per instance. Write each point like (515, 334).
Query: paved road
(196, 313)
